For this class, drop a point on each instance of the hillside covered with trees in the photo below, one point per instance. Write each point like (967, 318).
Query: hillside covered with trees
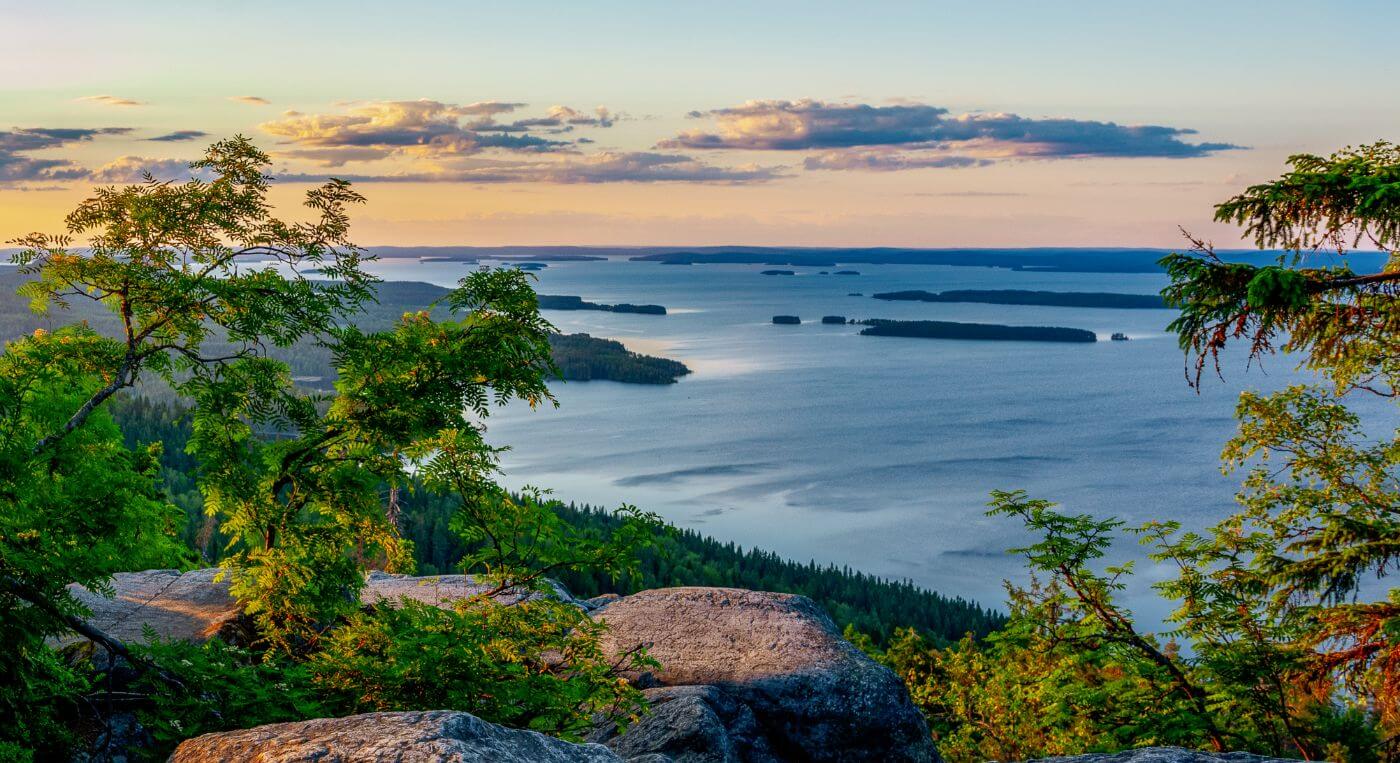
(680, 556)
(577, 357)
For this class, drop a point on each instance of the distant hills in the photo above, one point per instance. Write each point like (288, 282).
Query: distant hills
(1051, 259)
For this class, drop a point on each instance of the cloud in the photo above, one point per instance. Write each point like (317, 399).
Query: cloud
(110, 100)
(251, 100)
(133, 169)
(423, 129)
(837, 128)
(17, 166)
(489, 108)
(887, 161)
(179, 135)
(427, 129)
(334, 157)
(603, 167)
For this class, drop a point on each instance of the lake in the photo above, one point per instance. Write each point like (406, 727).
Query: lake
(875, 452)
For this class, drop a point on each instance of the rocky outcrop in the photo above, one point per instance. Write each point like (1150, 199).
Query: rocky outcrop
(190, 606)
(196, 605)
(813, 695)
(442, 590)
(1166, 755)
(745, 677)
(691, 724)
(421, 737)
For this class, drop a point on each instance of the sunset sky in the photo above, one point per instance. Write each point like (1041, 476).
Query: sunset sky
(781, 123)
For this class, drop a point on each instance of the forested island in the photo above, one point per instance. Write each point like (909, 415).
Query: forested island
(977, 331)
(558, 302)
(581, 357)
(777, 273)
(1024, 297)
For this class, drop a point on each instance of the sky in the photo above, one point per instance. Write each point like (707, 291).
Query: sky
(931, 124)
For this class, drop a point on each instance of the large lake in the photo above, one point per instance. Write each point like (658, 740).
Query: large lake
(874, 452)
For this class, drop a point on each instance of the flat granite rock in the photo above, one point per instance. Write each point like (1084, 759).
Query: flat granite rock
(438, 736)
(188, 606)
(195, 606)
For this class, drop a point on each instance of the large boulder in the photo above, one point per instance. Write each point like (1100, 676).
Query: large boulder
(419, 737)
(1166, 755)
(813, 694)
(690, 724)
(196, 605)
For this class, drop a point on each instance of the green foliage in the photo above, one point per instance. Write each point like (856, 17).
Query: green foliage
(1343, 324)
(1350, 197)
(1288, 650)
(301, 490)
(222, 687)
(1287, 596)
(75, 512)
(536, 665)
(1071, 672)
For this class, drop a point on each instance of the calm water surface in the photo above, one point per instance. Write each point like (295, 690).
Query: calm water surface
(874, 452)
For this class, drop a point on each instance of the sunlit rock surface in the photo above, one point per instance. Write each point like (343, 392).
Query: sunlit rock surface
(421, 737)
(814, 695)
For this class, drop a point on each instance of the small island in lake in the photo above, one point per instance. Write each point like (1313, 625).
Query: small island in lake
(581, 357)
(847, 272)
(979, 331)
(856, 294)
(787, 320)
(777, 273)
(1023, 297)
(834, 319)
(560, 302)
(1119, 336)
